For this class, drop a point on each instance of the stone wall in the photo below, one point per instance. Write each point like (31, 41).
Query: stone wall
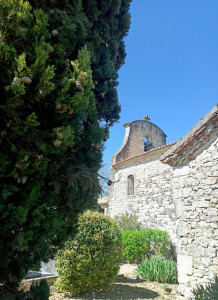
(195, 194)
(182, 200)
(152, 200)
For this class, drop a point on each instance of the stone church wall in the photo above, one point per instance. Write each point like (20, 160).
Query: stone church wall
(195, 194)
(152, 200)
(181, 200)
(175, 189)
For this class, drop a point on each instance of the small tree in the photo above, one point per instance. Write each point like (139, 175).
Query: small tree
(90, 261)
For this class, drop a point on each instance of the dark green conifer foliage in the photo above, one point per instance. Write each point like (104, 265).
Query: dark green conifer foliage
(58, 78)
(109, 23)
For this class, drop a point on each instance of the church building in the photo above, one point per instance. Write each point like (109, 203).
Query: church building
(173, 187)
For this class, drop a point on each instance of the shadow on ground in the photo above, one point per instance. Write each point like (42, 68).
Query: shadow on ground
(119, 291)
(122, 279)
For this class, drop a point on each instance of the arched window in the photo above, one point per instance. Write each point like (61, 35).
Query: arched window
(130, 185)
(147, 143)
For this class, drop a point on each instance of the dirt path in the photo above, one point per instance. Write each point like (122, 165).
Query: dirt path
(128, 286)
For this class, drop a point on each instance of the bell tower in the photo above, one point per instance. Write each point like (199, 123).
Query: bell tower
(140, 136)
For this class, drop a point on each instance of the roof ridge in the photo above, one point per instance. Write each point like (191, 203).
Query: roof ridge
(144, 153)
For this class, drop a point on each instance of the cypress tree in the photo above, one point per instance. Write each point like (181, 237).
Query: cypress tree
(58, 78)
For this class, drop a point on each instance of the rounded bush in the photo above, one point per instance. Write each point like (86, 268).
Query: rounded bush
(135, 245)
(90, 261)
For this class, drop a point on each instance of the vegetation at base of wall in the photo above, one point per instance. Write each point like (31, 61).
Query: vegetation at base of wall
(128, 222)
(134, 235)
(206, 292)
(135, 245)
(91, 260)
(158, 269)
(59, 64)
(159, 243)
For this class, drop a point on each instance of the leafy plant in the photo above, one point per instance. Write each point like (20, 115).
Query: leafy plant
(159, 269)
(128, 222)
(159, 243)
(206, 292)
(90, 261)
(135, 245)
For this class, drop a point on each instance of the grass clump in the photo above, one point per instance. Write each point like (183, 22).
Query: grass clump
(159, 269)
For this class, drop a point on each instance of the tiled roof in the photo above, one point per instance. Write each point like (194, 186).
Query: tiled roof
(203, 132)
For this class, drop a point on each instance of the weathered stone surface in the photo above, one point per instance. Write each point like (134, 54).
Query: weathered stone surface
(183, 278)
(181, 229)
(186, 192)
(179, 207)
(202, 204)
(210, 180)
(182, 171)
(185, 264)
(181, 199)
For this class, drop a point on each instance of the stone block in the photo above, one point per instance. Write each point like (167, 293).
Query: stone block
(206, 262)
(199, 274)
(214, 244)
(186, 192)
(210, 180)
(202, 204)
(210, 252)
(182, 171)
(200, 192)
(179, 207)
(200, 175)
(183, 278)
(181, 229)
(191, 181)
(214, 219)
(184, 265)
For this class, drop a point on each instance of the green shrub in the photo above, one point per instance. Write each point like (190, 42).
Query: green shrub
(208, 292)
(128, 222)
(157, 268)
(159, 243)
(91, 260)
(135, 246)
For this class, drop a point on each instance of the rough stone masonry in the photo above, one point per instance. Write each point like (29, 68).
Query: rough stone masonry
(172, 187)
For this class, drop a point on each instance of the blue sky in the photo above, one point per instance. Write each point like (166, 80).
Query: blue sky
(171, 68)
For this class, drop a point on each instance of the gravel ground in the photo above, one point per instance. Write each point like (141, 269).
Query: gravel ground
(127, 286)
